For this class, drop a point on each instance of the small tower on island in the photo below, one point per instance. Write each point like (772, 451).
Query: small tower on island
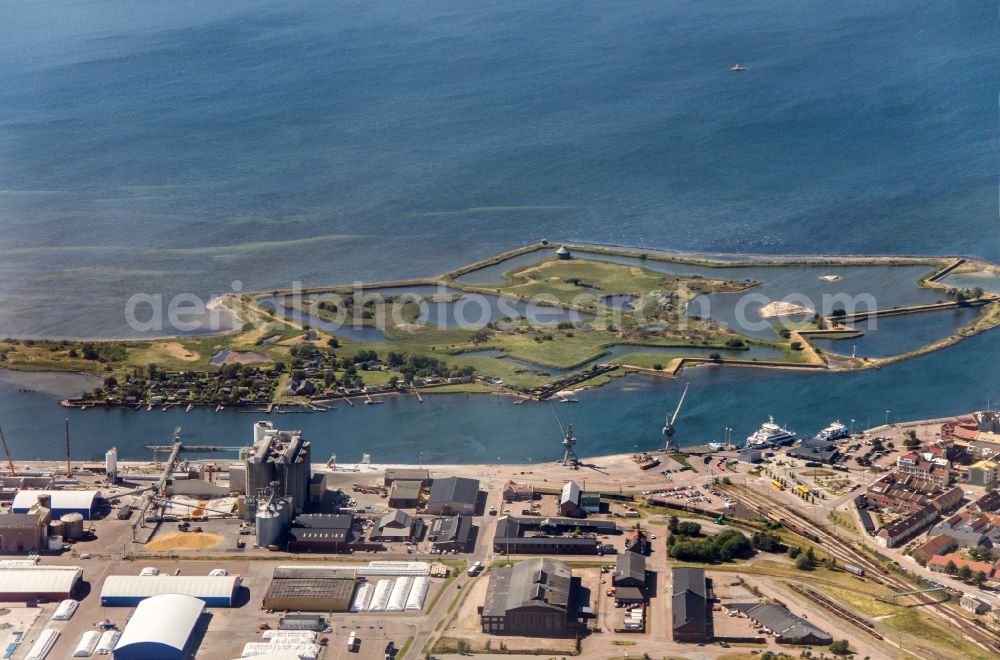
(563, 253)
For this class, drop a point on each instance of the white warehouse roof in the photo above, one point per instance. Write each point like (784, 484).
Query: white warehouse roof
(166, 620)
(61, 499)
(145, 586)
(40, 579)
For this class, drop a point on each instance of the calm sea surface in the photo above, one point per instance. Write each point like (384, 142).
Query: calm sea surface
(176, 147)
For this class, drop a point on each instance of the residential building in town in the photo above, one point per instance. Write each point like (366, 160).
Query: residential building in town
(939, 564)
(906, 528)
(941, 544)
(513, 491)
(982, 473)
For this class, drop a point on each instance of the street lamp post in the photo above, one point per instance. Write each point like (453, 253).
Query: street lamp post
(887, 417)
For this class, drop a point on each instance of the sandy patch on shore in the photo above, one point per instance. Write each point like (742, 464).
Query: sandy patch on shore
(246, 357)
(780, 308)
(184, 541)
(176, 350)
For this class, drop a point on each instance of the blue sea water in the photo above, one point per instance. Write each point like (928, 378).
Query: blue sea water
(173, 147)
(456, 428)
(176, 147)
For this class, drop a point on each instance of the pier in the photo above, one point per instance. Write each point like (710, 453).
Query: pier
(947, 270)
(916, 309)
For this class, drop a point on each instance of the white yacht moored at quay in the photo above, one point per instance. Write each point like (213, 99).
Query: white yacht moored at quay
(835, 431)
(770, 435)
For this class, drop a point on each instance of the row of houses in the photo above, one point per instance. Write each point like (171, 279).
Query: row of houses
(909, 494)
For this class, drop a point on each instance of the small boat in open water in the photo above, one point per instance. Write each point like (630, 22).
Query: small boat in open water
(737, 68)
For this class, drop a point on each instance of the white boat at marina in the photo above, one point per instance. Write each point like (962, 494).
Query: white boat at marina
(769, 435)
(835, 431)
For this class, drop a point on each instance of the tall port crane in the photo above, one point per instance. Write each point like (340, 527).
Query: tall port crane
(669, 444)
(568, 443)
(11, 470)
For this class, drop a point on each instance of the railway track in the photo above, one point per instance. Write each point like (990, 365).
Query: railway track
(874, 571)
(836, 609)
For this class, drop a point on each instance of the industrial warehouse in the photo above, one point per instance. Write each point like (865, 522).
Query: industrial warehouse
(38, 583)
(544, 536)
(130, 590)
(60, 502)
(381, 586)
(536, 597)
(311, 589)
(161, 628)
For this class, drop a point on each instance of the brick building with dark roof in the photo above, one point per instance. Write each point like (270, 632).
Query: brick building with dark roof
(536, 597)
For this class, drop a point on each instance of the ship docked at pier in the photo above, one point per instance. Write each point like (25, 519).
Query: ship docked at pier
(835, 431)
(770, 435)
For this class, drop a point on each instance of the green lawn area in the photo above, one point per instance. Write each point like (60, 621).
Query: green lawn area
(843, 520)
(561, 280)
(565, 350)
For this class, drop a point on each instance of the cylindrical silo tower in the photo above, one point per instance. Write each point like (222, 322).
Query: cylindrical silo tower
(269, 526)
(111, 464)
(73, 526)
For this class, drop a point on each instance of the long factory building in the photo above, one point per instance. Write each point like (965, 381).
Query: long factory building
(130, 590)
